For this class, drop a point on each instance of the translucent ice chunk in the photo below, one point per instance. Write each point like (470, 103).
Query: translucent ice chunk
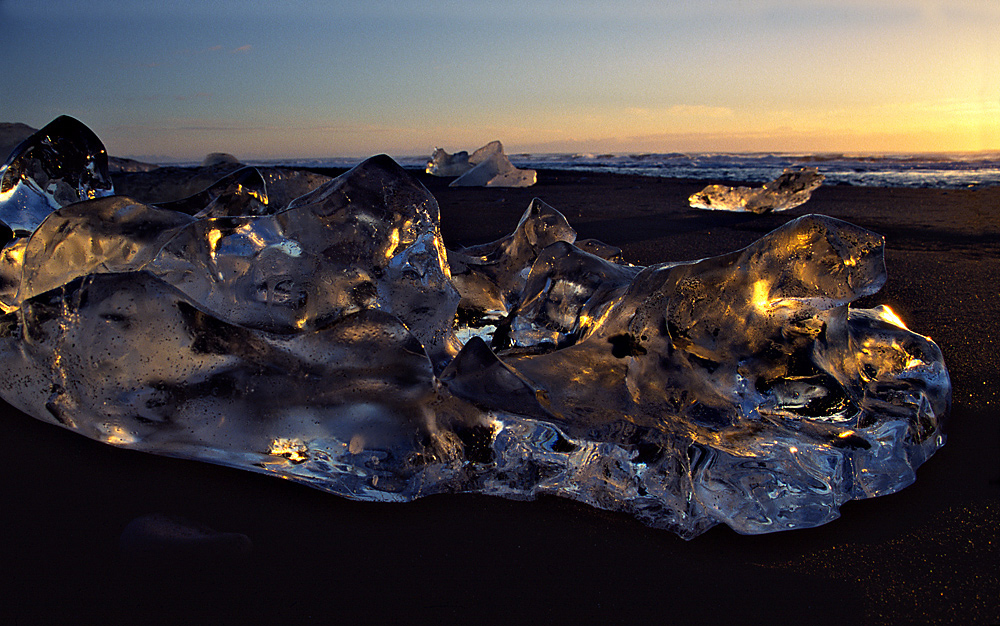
(496, 171)
(721, 371)
(483, 153)
(112, 234)
(565, 296)
(367, 240)
(791, 189)
(319, 342)
(444, 164)
(62, 163)
(360, 406)
(241, 193)
(491, 276)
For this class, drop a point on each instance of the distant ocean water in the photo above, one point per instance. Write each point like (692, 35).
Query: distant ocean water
(944, 171)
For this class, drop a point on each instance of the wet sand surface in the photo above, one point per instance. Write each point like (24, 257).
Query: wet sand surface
(929, 554)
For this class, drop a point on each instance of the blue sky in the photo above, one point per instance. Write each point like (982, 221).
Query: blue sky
(286, 78)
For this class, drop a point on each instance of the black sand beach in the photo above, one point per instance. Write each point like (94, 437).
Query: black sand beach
(929, 554)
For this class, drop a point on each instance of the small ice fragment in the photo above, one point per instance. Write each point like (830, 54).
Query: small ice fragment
(496, 171)
(486, 167)
(444, 164)
(788, 191)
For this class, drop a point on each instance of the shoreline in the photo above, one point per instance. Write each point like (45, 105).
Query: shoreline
(921, 555)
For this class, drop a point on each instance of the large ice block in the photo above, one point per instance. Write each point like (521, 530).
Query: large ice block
(334, 341)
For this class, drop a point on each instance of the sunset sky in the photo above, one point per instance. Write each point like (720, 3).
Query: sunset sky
(306, 78)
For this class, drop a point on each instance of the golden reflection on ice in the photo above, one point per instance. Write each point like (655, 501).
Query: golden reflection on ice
(14, 252)
(292, 449)
(761, 298)
(247, 231)
(393, 243)
(116, 435)
(214, 236)
(253, 193)
(888, 315)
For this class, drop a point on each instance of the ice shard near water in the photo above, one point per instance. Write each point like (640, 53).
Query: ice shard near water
(486, 167)
(496, 171)
(443, 164)
(334, 341)
(793, 188)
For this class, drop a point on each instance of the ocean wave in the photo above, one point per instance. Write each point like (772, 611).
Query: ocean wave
(935, 170)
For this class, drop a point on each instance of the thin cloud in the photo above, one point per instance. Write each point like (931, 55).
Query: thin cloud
(681, 110)
(243, 49)
(201, 95)
(216, 128)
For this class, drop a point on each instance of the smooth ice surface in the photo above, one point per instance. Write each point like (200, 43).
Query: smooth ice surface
(484, 153)
(334, 341)
(793, 188)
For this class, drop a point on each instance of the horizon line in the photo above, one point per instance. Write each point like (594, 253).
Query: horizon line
(164, 159)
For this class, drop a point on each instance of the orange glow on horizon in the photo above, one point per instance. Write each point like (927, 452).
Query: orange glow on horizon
(941, 127)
